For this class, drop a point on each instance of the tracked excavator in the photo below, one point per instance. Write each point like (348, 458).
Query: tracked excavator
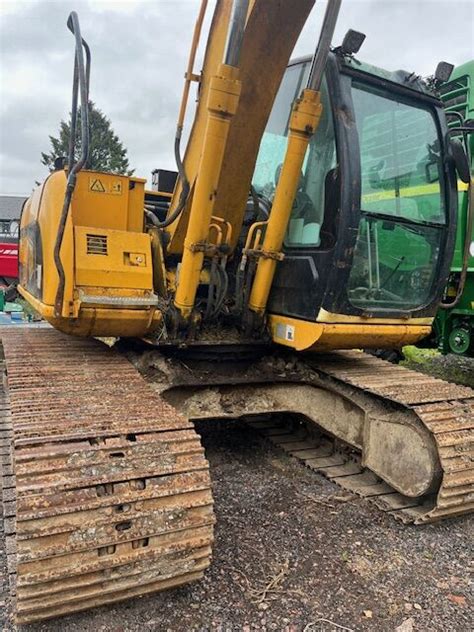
(312, 215)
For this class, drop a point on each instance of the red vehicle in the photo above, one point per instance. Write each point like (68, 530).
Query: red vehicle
(8, 252)
(10, 213)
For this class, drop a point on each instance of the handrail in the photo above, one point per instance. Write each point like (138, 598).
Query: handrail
(81, 80)
(469, 225)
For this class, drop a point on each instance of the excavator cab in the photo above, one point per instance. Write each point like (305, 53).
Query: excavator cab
(371, 229)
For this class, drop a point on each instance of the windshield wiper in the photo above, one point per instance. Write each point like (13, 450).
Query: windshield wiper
(399, 219)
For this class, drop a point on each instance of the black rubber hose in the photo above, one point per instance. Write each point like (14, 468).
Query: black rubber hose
(81, 81)
(185, 184)
(72, 129)
(223, 286)
(213, 286)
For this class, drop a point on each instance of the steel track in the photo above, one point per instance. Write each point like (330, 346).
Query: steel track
(113, 491)
(445, 409)
(106, 494)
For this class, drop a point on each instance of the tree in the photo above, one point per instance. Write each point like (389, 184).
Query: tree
(106, 152)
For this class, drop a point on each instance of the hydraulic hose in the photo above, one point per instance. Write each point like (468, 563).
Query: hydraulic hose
(184, 184)
(81, 80)
(185, 188)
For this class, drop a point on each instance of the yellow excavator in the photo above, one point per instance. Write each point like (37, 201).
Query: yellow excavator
(311, 215)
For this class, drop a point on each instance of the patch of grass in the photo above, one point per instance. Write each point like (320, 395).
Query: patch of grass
(452, 368)
(419, 356)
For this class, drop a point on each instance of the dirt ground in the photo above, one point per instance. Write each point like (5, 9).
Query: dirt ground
(293, 552)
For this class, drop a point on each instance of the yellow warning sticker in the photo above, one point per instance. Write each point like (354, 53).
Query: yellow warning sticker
(95, 184)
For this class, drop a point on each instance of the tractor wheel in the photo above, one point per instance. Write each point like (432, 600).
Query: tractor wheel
(460, 340)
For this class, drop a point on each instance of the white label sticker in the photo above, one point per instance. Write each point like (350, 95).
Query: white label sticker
(287, 332)
(471, 249)
(38, 276)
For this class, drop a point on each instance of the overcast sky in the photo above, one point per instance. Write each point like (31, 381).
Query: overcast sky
(139, 53)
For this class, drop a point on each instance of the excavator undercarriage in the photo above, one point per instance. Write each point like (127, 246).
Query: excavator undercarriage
(378, 429)
(106, 489)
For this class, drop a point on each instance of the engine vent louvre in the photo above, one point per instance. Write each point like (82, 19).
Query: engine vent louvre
(96, 244)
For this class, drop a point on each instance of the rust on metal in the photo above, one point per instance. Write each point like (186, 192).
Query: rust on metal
(107, 490)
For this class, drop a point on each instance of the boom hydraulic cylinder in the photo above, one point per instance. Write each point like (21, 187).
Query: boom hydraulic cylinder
(304, 121)
(223, 99)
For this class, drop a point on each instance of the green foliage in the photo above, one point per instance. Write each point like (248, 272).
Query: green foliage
(106, 152)
(419, 356)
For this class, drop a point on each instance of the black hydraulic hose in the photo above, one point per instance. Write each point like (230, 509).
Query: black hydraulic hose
(81, 81)
(152, 217)
(72, 129)
(73, 26)
(223, 286)
(213, 284)
(247, 285)
(239, 284)
(185, 184)
(75, 89)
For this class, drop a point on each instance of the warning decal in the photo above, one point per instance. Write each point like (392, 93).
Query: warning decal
(96, 185)
(116, 188)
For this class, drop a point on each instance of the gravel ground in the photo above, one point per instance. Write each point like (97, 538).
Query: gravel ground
(294, 553)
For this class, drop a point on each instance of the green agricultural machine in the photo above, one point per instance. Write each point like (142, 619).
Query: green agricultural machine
(454, 323)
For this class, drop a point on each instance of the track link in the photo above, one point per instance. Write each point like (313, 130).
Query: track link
(445, 409)
(107, 490)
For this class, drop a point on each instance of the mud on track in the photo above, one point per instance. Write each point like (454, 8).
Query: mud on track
(329, 557)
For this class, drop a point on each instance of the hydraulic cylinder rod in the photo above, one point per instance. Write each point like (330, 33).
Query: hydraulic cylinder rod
(223, 99)
(304, 121)
(320, 57)
(236, 32)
